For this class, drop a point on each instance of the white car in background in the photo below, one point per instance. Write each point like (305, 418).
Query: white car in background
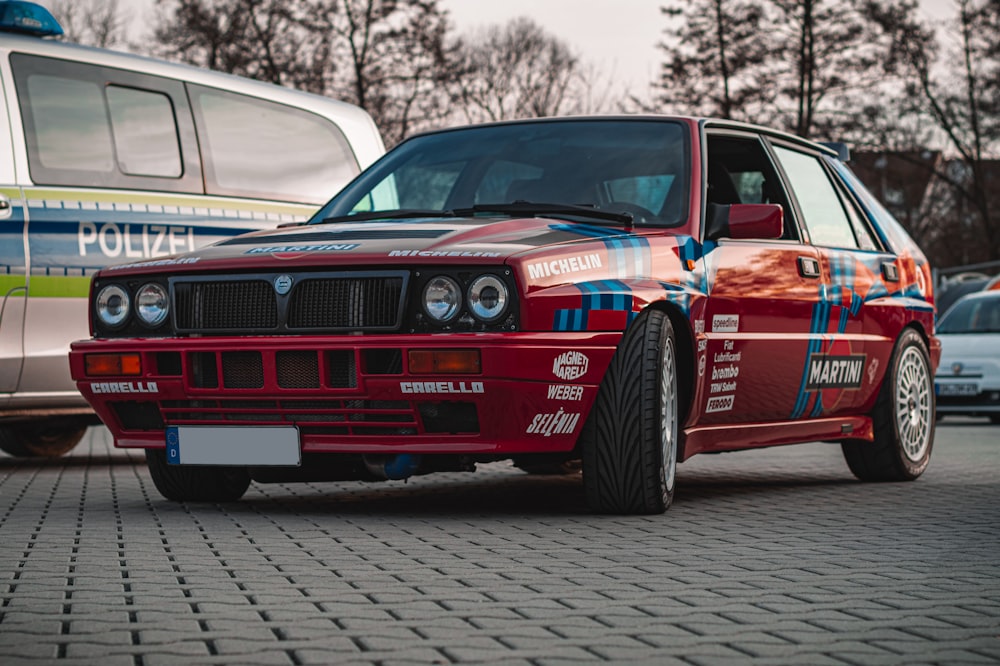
(968, 377)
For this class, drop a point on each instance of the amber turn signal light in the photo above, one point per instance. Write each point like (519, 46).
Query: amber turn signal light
(112, 365)
(445, 362)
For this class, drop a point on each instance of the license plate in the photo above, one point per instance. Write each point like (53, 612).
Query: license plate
(234, 445)
(958, 389)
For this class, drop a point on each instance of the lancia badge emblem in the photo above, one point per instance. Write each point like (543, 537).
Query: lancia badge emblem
(956, 368)
(283, 284)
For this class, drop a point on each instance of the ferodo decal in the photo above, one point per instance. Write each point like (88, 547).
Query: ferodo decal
(569, 392)
(124, 387)
(441, 387)
(570, 365)
(722, 403)
(827, 371)
(316, 247)
(559, 423)
(563, 265)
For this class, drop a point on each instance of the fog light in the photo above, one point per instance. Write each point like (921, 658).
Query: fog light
(444, 362)
(112, 365)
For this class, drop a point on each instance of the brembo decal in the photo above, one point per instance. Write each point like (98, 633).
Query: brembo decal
(559, 423)
(124, 387)
(570, 365)
(441, 387)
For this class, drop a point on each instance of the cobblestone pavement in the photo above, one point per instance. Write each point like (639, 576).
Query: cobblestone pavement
(766, 557)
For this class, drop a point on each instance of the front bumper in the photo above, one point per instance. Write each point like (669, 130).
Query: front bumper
(356, 394)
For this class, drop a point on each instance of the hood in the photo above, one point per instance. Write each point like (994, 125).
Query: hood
(412, 241)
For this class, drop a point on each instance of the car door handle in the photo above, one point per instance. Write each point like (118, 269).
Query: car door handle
(890, 272)
(5, 207)
(808, 267)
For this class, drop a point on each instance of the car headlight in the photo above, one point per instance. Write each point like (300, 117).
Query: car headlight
(113, 306)
(488, 298)
(442, 298)
(152, 304)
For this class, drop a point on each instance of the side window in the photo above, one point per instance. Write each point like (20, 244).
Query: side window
(824, 213)
(145, 132)
(253, 147)
(740, 172)
(86, 125)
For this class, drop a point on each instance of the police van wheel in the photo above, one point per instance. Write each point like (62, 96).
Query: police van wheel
(196, 484)
(33, 440)
(903, 418)
(630, 439)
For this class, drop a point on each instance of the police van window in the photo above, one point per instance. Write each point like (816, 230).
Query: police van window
(822, 209)
(70, 125)
(145, 132)
(253, 147)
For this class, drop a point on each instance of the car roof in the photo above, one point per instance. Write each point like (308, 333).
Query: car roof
(701, 121)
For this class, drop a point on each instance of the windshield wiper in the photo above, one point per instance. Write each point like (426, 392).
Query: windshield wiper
(542, 208)
(398, 214)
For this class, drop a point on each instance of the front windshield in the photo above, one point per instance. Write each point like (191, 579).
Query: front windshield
(972, 315)
(617, 165)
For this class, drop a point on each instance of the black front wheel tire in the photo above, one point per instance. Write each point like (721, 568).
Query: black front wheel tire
(630, 438)
(196, 484)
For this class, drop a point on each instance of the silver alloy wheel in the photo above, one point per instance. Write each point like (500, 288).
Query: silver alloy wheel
(668, 415)
(913, 405)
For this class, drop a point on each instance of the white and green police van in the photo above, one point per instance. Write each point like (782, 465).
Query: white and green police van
(107, 158)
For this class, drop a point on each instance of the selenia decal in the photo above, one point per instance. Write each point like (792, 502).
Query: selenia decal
(560, 423)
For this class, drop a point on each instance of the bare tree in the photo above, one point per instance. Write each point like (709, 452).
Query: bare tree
(714, 58)
(102, 23)
(517, 71)
(387, 56)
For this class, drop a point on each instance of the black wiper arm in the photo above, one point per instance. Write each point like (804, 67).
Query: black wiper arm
(398, 214)
(541, 208)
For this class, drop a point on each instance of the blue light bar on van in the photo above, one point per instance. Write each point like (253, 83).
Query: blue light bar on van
(28, 18)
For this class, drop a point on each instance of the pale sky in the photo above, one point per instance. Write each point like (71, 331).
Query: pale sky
(618, 37)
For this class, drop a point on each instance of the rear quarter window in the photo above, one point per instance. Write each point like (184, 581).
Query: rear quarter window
(257, 148)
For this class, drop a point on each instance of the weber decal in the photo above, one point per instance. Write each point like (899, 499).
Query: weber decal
(441, 387)
(124, 387)
(559, 423)
(827, 371)
(576, 264)
(570, 365)
(725, 323)
(565, 392)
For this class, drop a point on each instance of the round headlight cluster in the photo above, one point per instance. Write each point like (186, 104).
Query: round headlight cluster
(151, 304)
(442, 299)
(114, 305)
(486, 297)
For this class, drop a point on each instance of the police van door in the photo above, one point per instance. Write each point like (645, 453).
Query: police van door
(13, 260)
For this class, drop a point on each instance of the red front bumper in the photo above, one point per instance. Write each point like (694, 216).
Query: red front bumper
(356, 394)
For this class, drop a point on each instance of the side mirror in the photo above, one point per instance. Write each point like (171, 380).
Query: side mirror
(744, 221)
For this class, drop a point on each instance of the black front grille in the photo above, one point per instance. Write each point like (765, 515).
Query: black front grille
(345, 303)
(225, 305)
(315, 303)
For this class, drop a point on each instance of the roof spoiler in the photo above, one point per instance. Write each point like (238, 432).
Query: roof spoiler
(839, 147)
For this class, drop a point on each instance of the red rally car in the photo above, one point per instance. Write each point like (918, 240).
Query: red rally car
(622, 291)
